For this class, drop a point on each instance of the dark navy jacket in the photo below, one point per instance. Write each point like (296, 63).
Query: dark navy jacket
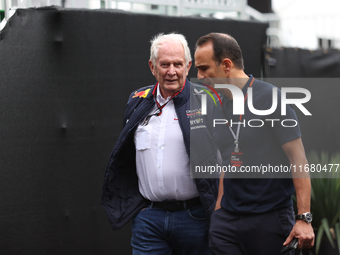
(121, 198)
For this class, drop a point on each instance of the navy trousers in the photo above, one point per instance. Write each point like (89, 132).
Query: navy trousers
(251, 234)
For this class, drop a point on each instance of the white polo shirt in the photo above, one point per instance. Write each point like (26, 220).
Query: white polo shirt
(162, 162)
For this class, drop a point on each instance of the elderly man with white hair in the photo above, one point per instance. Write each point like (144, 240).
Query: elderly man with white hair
(148, 175)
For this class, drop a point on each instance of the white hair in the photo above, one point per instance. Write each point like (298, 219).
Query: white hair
(157, 40)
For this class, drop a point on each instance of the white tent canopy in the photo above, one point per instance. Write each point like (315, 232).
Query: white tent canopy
(302, 22)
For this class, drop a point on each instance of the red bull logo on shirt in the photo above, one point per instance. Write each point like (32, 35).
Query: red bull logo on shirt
(141, 94)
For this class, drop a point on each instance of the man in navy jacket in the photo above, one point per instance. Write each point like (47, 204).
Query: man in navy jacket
(148, 175)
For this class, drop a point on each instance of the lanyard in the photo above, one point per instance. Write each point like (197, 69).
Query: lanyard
(159, 109)
(237, 135)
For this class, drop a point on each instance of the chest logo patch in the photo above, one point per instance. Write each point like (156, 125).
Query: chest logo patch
(141, 94)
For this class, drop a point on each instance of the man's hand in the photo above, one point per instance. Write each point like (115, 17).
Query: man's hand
(301, 230)
(220, 192)
(304, 232)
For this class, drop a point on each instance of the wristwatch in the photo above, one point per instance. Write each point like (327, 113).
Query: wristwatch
(307, 217)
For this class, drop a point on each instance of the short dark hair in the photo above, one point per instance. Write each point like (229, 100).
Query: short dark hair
(224, 46)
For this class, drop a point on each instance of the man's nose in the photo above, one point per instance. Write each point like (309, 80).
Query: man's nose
(171, 70)
(200, 75)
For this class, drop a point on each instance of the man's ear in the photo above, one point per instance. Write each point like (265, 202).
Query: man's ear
(152, 67)
(188, 67)
(227, 64)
